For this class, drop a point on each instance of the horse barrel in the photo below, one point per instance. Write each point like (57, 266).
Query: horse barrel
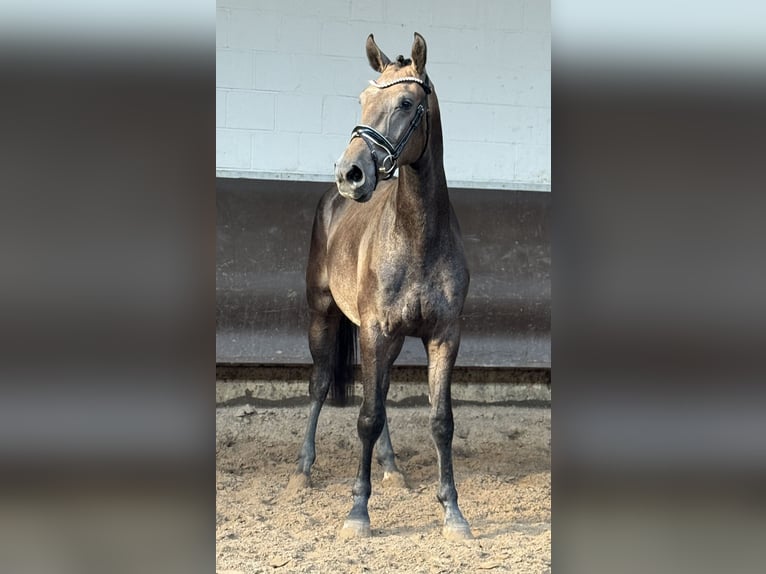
(263, 230)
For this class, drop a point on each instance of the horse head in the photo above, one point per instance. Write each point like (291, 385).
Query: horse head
(394, 128)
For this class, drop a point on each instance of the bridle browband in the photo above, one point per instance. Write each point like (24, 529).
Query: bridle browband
(373, 137)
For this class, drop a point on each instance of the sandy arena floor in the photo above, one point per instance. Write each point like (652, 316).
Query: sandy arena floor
(502, 469)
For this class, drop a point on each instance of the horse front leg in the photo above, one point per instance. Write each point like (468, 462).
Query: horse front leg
(442, 352)
(377, 354)
(323, 332)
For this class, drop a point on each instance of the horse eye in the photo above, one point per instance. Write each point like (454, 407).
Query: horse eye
(406, 104)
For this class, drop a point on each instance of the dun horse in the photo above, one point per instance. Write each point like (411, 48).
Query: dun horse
(387, 258)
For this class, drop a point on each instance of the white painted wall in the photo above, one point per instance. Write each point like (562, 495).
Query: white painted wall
(289, 73)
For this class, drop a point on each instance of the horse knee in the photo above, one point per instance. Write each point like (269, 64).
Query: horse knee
(370, 425)
(318, 387)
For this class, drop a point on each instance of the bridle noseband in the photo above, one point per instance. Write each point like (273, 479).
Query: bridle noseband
(373, 137)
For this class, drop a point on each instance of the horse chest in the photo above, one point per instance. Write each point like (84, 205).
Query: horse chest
(409, 305)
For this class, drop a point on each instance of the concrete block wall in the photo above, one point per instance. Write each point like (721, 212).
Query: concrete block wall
(289, 73)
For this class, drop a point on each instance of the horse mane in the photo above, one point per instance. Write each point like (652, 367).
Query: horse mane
(402, 61)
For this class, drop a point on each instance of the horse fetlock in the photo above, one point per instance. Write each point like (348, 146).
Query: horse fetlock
(447, 496)
(305, 463)
(361, 492)
(307, 457)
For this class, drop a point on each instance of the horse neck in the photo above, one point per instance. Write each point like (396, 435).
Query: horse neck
(422, 199)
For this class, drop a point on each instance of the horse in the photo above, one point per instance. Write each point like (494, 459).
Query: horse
(386, 261)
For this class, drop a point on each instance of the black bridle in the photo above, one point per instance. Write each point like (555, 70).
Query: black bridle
(373, 138)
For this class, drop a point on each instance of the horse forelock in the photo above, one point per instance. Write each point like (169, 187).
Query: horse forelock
(401, 61)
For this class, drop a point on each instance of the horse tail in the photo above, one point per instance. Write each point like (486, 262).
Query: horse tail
(345, 359)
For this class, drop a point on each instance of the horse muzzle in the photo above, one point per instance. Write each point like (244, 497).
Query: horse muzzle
(353, 181)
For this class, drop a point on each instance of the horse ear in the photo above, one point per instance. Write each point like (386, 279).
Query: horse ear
(419, 53)
(378, 60)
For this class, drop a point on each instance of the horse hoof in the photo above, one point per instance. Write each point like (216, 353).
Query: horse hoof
(355, 529)
(394, 479)
(298, 482)
(457, 532)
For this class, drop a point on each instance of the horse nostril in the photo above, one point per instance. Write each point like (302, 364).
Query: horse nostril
(355, 174)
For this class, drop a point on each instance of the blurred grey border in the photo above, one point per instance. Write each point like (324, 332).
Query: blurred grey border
(659, 315)
(107, 298)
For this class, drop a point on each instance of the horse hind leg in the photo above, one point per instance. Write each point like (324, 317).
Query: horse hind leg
(323, 336)
(392, 476)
